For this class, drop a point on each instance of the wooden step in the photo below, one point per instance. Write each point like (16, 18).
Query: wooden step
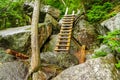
(63, 41)
(67, 24)
(64, 37)
(64, 33)
(69, 15)
(62, 45)
(66, 30)
(66, 27)
(68, 40)
(70, 22)
(67, 20)
(61, 49)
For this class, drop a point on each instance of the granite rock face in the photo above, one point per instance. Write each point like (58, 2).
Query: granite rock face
(112, 23)
(62, 60)
(85, 33)
(102, 68)
(13, 71)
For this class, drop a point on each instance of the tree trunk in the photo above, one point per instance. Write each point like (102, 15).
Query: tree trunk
(35, 58)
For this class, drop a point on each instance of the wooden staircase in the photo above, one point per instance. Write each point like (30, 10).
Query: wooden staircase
(63, 44)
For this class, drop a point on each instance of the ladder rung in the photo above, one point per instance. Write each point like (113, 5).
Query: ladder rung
(66, 30)
(66, 27)
(64, 33)
(67, 24)
(64, 37)
(70, 22)
(67, 20)
(61, 49)
(63, 45)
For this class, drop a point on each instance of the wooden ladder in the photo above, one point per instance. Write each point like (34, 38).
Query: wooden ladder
(63, 44)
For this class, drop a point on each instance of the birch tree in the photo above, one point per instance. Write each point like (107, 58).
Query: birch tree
(35, 57)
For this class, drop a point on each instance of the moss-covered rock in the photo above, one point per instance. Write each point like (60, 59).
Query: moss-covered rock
(63, 60)
(19, 38)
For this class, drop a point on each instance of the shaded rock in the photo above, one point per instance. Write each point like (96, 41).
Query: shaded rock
(19, 38)
(112, 23)
(62, 60)
(28, 8)
(50, 19)
(104, 48)
(51, 10)
(39, 76)
(44, 32)
(85, 33)
(51, 44)
(100, 29)
(4, 57)
(51, 70)
(95, 69)
(13, 71)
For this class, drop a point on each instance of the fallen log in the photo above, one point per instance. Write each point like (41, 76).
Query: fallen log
(16, 54)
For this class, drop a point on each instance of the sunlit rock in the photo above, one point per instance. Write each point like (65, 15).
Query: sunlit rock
(112, 23)
(94, 69)
(13, 71)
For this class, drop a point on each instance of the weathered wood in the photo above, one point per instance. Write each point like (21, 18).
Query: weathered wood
(17, 54)
(80, 55)
(35, 58)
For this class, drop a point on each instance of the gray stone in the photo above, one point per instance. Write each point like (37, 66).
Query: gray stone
(63, 60)
(28, 8)
(94, 69)
(50, 10)
(50, 44)
(85, 33)
(104, 48)
(13, 71)
(4, 57)
(112, 23)
(50, 19)
(19, 38)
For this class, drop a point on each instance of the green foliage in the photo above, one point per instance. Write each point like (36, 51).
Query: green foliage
(71, 4)
(118, 65)
(99, 11)
(11, 14)
(99, 54)
(112, 39)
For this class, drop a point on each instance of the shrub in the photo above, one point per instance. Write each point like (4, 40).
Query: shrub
(97, 12)
(112, 39)
(99, 54)
(11, 14)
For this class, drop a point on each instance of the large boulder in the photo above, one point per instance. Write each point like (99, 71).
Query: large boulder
(112, 23)
(85, 33)
(13, 71)
(50, 10)
(102, 68)
(28, 8)
(63, 60)
(19, 38)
